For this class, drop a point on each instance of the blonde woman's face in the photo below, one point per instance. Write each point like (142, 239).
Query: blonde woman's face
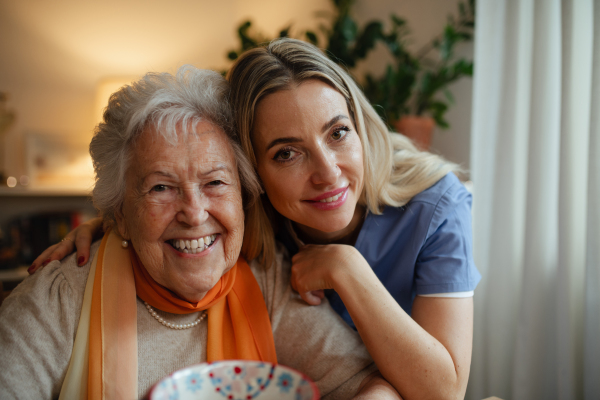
(309, 156)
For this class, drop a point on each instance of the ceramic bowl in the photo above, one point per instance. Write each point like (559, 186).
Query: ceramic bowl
(235, 380)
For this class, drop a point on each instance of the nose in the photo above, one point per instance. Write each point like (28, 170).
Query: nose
(325, 168)
(192, 207)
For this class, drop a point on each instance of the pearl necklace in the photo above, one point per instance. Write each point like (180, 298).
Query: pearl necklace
(174, 326)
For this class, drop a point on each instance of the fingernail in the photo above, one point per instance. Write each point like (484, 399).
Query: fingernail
(80, 260)
(31, 269)
(45, 262)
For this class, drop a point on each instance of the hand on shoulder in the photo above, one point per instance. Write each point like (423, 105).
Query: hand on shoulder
(79, 239)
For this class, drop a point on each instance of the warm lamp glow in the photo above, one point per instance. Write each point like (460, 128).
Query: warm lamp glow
(104, 89)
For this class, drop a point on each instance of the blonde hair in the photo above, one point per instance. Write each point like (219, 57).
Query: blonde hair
(394, 170)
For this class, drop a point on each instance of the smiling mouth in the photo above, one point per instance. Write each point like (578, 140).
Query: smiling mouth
(335, 195)
(193, 246)
(332, 198)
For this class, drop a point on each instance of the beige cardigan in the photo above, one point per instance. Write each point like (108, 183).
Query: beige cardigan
(38, 322)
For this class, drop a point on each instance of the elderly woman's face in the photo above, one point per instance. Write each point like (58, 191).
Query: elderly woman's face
(182, 209)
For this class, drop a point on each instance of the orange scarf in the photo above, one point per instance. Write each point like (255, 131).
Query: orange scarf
(238, 320)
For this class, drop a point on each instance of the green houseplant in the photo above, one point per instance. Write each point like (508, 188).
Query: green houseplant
(412, 95)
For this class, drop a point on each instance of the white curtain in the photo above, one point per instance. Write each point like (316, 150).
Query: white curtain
(535, 166)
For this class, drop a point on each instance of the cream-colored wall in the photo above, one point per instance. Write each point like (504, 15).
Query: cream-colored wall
(53, 53)
(426, 19)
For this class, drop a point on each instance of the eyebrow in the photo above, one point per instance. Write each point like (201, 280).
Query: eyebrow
(333, 121)
(161, 173)
(292, 139)
(218, 167)
(277, 141)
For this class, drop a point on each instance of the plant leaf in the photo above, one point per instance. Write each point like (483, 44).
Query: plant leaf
(312, 37)
(367, 39)
(285, 32)
(449, 96)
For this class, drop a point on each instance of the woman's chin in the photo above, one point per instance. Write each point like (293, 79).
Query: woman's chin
(193, 295)
(194, 289)
(329, 221)
(329, 227)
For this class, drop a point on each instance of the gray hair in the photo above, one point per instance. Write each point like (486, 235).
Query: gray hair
(165, 102)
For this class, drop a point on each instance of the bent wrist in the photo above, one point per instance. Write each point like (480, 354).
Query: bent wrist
(352, 271)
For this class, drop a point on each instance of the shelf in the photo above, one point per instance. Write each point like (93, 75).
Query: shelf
(44, 192)
(13, 275)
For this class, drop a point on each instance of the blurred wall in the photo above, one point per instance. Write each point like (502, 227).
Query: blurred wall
(54, 53)
(426, 19)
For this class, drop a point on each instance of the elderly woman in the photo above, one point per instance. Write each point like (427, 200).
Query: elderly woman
(165, 288)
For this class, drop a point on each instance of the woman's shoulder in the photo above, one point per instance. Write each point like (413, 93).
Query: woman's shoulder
(38, 323)
(273, 280)
(422, 215)
(58, 278)
(443, 197)
(449, 189)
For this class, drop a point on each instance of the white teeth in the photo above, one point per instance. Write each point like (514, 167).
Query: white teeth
(193, 246)
(330, 199)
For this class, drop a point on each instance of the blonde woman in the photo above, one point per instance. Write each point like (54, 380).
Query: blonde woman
(383, 228)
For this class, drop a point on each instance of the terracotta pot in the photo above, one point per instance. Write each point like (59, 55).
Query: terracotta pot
(418, 129)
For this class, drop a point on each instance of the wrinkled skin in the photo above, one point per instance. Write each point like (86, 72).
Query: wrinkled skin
(183, 192)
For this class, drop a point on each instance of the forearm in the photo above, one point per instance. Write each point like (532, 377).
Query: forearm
(410, 358)
(375, 387)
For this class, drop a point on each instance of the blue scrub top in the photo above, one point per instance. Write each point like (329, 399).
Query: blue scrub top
(424, 247)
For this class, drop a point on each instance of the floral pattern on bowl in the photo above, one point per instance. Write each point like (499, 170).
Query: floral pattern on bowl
(235, 380)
